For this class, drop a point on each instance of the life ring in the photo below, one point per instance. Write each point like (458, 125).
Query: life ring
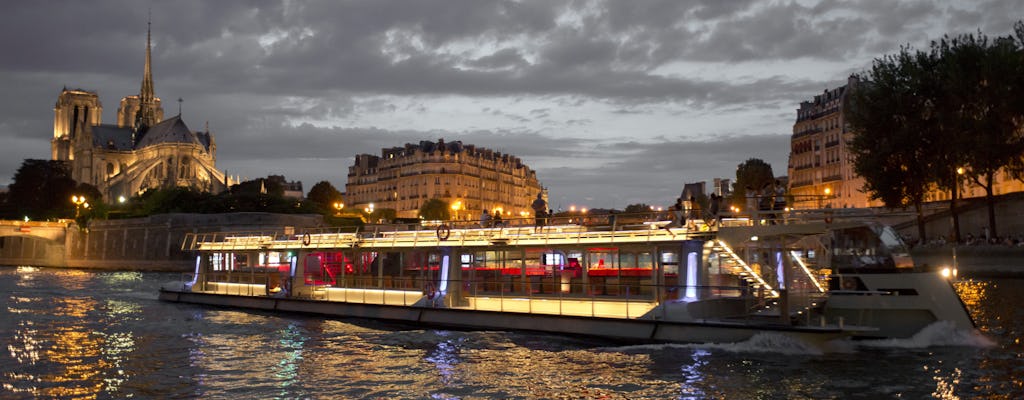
(849, 283)
(306, 239)
(443, 232)
(429, 290)
(828, 219)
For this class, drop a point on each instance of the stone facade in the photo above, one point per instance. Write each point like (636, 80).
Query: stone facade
(141, 152)
(474, 178)
(821, 165)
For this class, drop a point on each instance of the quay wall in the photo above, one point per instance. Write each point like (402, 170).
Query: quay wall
(152, 243)
(973, 261)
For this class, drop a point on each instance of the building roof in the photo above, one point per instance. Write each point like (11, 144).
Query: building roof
(112, 137)
(171, 130)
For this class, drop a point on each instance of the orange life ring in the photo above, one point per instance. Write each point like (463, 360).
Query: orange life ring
(306, 239)
(849, 283)
(443, 232)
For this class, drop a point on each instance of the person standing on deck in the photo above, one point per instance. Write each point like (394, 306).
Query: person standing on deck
(540, 210)
(752, 204)
(713, 206)
(678, 211)
(694, 213)
(485, 219)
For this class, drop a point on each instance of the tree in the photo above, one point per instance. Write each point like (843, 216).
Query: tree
(323, 195)
(435, 210)
(264, 186)
(42, 189)
(983, 89)
(753, 173)
(891, 144)
(1016, 166)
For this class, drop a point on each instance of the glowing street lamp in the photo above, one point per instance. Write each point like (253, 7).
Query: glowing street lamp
(80, 202)
(338, 206)
(455, 209)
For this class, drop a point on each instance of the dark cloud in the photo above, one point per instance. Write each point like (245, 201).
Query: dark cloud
(299, 88)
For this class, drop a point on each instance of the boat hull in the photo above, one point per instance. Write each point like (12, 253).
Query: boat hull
(899, 305)
(641, 330)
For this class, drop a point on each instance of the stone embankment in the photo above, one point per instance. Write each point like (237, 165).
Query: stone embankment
(977, 261)
(147, 244)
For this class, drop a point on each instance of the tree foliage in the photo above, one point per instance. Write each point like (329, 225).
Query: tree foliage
(637, 208)
(754, 173)
(42, 189)
(435, 209)
(893, 146)
(919, 116)
(323, 195)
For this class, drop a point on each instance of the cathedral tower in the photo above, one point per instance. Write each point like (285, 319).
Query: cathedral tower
(75, 108)
(144, 110)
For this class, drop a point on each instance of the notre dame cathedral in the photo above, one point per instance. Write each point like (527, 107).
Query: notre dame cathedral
(142, 151)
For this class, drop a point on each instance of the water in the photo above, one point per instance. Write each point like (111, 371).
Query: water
(93, 334)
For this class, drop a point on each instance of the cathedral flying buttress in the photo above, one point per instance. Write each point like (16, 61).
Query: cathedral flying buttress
(142, 151)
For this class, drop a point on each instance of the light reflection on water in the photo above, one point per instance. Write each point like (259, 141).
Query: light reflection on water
(87, 334)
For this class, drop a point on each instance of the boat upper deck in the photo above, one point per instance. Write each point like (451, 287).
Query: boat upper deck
(386, 237)
(424, 235)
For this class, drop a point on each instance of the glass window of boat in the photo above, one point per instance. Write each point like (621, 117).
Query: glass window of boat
(602, 258)
(860, 247)
(241, 261)
(669, 262)
(274, 260)
(536, 261)
(892, 242)
(221, 261)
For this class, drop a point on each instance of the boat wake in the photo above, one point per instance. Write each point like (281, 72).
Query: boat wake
(938, 334)
(763, 342)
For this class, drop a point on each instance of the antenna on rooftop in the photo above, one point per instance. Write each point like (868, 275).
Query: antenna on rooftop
(179, 106)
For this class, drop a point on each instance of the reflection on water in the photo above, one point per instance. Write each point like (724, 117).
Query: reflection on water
(87, 334)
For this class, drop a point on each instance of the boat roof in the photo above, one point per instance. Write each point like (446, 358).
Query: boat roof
(731, 230)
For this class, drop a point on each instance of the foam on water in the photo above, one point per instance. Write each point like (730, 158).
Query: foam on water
(940, 333)
(763, 342)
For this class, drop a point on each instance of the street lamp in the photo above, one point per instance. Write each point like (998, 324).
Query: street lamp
(827, 192)
(455, 209)
(338, 206)
(79, 201)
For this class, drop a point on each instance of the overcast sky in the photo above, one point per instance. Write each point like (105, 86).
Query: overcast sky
(611, 102)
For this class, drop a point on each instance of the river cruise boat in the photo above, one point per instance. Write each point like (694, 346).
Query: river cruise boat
(814, 280)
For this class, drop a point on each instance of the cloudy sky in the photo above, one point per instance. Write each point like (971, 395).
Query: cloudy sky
(611, 102)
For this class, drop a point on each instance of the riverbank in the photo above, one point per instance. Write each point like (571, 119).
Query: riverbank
(152, 243)
(976, 261)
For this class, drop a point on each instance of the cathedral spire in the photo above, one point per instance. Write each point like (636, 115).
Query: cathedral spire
(146, 116)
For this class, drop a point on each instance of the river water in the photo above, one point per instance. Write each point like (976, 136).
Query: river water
(103, 334)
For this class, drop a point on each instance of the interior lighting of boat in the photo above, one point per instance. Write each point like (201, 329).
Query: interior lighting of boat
(948, 272)
(749, 271)
(806, 270)
(195, 275)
